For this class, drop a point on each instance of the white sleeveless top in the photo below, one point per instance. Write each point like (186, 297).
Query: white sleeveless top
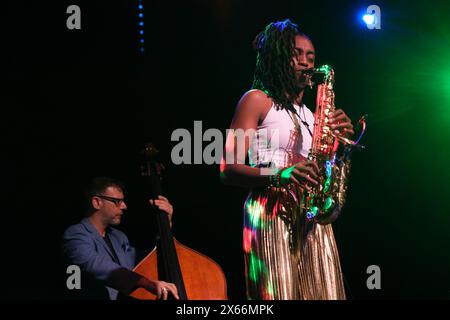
(275, 140)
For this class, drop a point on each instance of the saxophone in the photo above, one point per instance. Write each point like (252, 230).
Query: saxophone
(324, 203)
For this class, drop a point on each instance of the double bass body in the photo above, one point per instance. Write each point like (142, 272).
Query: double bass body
(203, 278)
(196, 276)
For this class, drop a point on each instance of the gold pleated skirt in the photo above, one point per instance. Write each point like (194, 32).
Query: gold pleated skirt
(287, 257)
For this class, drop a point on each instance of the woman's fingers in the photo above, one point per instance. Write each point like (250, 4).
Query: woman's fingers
(303, 175)
(310, 179)
(306, 167)
(349, 132)
(314, 166)
(340, 118)
(294, 180)
(342, 125)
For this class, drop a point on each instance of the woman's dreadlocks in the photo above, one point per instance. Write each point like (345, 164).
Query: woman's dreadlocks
(274, 72)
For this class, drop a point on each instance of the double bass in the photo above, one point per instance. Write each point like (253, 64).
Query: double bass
(196, 276)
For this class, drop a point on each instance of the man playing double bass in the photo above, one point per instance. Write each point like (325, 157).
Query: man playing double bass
(102, 252)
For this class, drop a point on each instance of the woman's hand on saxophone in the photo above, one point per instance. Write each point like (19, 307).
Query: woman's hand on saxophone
(304, 173)
(341, 124)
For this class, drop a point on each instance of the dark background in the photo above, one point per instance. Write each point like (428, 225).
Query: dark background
(81, 103)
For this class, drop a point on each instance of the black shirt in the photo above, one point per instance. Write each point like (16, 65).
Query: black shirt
(109, 243)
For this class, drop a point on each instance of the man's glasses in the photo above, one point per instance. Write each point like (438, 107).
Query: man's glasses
(116, 201)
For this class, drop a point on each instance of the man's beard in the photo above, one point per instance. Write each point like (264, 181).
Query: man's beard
(115, 220)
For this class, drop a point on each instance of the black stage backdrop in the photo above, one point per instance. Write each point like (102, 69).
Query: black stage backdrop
(81, 103)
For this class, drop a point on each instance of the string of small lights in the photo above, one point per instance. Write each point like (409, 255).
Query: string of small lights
(141, 44)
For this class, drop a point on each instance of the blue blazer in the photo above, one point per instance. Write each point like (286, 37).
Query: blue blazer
(85, 247)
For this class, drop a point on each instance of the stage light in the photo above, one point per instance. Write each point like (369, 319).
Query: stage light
(372, 17)
(141, 26)
(369, 19)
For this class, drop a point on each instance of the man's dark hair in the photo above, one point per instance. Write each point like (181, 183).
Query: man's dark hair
(274, 73)
(98, 186)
